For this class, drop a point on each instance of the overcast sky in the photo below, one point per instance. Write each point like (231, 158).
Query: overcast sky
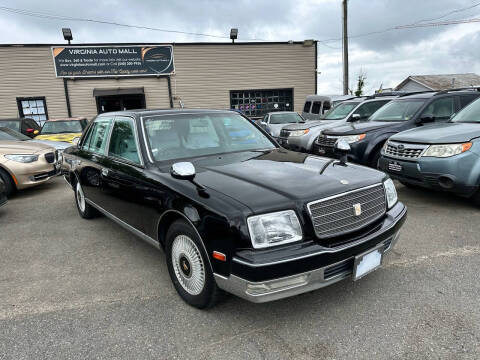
(386, 58)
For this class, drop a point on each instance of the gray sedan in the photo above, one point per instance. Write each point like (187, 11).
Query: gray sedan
(273, 122)
(300, 137)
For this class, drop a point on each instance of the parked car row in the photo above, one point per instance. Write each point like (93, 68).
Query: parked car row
(425, 139)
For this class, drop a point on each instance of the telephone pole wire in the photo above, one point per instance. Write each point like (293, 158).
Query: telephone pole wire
(345, 49)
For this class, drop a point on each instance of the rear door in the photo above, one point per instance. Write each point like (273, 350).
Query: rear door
(91, 158)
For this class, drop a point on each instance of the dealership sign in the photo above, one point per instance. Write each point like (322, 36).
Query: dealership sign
(113, 61)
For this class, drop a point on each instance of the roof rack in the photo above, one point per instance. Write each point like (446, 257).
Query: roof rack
(471, 88)
(417, 92)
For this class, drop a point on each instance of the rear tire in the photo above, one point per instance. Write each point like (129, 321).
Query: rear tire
(10, 187)
(85, 210)
(189, 267)
(476, 198)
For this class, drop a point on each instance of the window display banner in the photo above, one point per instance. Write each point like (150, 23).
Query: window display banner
(113, 61)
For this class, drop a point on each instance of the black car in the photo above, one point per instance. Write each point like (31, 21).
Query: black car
(234, 213)
(3, 193)
(25, 126)
(406, 112)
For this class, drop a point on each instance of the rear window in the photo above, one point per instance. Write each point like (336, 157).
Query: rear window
(316, 107)
(306, 108)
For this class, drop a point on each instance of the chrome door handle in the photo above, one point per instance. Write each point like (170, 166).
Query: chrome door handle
(104, 172)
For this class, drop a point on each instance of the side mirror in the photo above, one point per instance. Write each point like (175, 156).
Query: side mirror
(425, 119)
(183, 170)
(355, 117)
(342, 147)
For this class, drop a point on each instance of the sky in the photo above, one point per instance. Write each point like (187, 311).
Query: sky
(386, 57)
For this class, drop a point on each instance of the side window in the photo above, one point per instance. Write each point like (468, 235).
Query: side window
(96, 139)
(306, 107)
(326, 106)
(316, 107)
(123, 143)
(265, 119)
(466, 99)
(440, 109)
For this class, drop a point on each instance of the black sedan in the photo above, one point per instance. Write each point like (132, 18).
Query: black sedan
(232, 209)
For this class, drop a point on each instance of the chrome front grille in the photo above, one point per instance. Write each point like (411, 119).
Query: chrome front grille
(326, 140)
(404, 151)
(347, 212)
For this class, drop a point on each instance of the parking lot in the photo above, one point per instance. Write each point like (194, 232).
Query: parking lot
(71, 288)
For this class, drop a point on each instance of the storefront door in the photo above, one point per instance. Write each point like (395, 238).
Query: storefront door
(120, 102)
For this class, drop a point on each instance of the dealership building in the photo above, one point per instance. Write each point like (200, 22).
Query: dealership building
(50, 81)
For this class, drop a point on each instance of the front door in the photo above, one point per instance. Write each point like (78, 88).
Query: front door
(120, 102)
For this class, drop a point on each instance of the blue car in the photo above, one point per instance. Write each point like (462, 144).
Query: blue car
(444, 157)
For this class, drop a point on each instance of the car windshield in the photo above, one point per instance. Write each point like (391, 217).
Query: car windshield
(11, 124)
(286, 118)
(58, 127)
(9, 134)
(340, 111)
(398, 110)
(469, 114)
(188, 136)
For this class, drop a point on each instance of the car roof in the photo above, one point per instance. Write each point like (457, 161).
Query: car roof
(68, 119)
(153, 112)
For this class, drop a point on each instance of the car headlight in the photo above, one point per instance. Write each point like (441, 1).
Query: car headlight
(274, 229)
(352, 138)
(23, 158)
(447, 150)
(296, 133)
(390, 193)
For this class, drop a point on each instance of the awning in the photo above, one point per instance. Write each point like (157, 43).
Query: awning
(117, 91)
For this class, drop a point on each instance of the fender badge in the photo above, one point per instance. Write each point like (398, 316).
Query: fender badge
(344, 182)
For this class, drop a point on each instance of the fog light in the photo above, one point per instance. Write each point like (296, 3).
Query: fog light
(277, 285)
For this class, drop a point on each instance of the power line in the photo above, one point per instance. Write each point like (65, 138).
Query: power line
(69, 18)
(440, 23)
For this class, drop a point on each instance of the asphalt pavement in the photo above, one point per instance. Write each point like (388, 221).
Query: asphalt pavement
(79, 289)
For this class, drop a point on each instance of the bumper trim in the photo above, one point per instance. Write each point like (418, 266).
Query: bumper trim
(314, 279)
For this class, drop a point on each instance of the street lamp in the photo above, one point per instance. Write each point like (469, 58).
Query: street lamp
(67, 34)
(233, 34)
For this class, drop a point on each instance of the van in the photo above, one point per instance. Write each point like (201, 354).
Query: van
(317, 105)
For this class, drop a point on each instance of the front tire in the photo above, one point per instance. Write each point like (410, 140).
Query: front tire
(10, 187)
(189, 268)
(85, 210)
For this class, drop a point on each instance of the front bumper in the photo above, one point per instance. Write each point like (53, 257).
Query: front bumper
(457, 174)
(31, 174)
(284, 272)
(294, 143)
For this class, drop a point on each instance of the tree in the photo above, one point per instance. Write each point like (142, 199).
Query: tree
(361, 82)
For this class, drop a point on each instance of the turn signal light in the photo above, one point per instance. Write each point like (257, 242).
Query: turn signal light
(219, 256)
(361, 136)
(466, 146)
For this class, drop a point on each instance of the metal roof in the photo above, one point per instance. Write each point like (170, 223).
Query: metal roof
(444, 81)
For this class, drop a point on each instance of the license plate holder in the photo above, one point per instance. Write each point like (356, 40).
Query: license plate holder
(395, 166)
(367, 262)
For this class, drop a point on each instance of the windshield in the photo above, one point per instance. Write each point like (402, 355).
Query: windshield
(398, 110)
(194, 135)
(11, 124)
(58, 127)
(9, 134)
(469, 114)
(287, 118)
(341, 111)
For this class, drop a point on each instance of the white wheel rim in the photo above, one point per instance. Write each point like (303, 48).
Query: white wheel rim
(80, 198)
(188, 265)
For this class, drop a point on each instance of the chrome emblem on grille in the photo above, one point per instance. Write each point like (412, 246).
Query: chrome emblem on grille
(357, 209)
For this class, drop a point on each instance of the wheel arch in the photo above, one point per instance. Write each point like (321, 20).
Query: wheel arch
(12, 176)
(377, 147)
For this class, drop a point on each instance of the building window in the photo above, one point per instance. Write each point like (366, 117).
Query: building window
(257, 103)
(34, 108)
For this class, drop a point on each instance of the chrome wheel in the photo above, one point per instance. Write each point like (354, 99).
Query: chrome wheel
(188, 264)
(80, 197)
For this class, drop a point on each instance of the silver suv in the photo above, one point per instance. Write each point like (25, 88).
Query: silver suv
(300, 137)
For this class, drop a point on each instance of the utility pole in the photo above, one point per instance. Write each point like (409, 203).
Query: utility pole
(345, 49)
